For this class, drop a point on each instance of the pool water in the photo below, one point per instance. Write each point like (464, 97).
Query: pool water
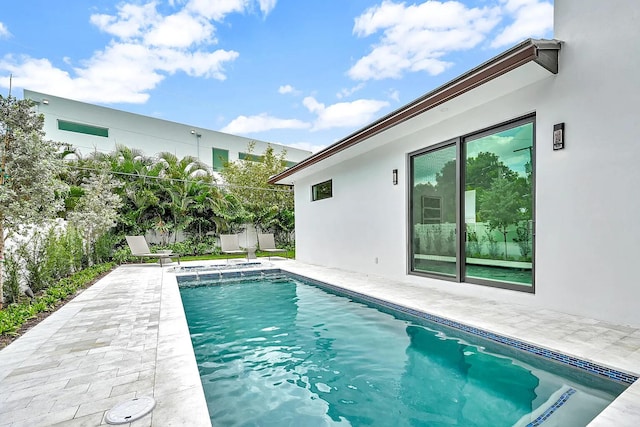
(286, 353)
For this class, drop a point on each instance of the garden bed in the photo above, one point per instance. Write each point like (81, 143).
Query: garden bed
(22, 326)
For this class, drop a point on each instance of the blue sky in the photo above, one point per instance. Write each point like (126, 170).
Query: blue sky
(304, 73)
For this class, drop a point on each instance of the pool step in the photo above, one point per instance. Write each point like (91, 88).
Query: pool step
(546, 410)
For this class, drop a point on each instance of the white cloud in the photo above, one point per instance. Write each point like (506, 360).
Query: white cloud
(130, 22)
(394, 94)
(312, 105)
(261, 123)
(4, 31)
(309, 146)
(180, 30)
(417, 37)
(266, 6)
(343, 114)
(145, 48)
(122, 72)
(217, 9)
(284, 89)
(531, 18)
(346, 92)
(203, 64)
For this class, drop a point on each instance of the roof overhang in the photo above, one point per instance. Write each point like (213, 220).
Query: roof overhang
(520, 66)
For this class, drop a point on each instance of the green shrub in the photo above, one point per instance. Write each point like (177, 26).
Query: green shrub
(191, 246)
(15, 315)
(122, 255)
(12, 278)
(33, 255)
(74, 247)
(103, 248)
(58, 262)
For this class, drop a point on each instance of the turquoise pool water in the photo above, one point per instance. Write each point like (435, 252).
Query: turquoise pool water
(285, 353)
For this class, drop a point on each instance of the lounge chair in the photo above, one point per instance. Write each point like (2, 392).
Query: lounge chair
(230, 245)
(267, 243)
(139, 248)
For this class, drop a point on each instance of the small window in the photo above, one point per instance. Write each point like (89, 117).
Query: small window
(83, 128)
(220, 158)
(250, 157)
(324, 190)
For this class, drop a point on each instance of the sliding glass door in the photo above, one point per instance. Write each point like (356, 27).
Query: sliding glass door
(499, 205)
(482, 185)
(434, 211)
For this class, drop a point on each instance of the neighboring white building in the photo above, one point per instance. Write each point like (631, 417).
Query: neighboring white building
(577, 206)
(92, 128)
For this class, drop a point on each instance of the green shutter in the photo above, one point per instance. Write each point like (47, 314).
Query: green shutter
(83, 128)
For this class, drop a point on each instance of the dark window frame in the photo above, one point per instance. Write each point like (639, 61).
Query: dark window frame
(320, 193)
(460, 143)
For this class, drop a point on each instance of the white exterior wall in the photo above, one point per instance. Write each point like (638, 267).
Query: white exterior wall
(148, 134)
(587, 201)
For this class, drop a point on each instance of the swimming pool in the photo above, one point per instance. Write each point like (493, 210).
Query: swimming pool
(274, 350)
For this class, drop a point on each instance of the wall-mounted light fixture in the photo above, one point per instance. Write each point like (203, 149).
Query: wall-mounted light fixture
(395, 176)
(558, 136)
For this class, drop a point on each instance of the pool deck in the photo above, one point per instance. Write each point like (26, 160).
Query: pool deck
(126, 337)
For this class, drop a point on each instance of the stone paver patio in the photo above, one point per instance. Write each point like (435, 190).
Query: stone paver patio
(127, 337)
(124, 337)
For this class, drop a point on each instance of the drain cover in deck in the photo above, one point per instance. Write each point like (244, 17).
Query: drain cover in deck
(131, 410)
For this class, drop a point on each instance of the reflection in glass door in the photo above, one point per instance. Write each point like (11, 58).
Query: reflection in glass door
(433, 212)
(498, 184)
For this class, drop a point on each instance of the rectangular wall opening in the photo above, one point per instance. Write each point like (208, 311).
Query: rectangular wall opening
(472, 208)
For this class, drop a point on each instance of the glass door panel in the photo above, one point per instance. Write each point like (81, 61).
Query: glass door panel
(498, 207)
(433, 212)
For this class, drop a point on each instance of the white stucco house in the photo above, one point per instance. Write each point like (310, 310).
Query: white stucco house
(90, 127)
(516, 181)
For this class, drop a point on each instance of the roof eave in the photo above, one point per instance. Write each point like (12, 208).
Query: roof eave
(542, 52)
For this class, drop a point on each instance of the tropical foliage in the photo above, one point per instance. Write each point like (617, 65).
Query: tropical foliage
(268, 207)
(100, 198)
(30, 188)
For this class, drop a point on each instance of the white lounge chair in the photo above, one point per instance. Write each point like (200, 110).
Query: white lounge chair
(230, 245)
(139, 248)
(267, 243)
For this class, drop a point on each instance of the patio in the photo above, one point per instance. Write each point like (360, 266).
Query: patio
(127, 337)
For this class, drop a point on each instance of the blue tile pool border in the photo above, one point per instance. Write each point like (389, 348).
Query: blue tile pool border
(584, 365)
(575, 362)
(553, 408)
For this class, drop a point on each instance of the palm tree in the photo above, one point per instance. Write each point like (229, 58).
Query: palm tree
(139, 174)
(190, 197)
